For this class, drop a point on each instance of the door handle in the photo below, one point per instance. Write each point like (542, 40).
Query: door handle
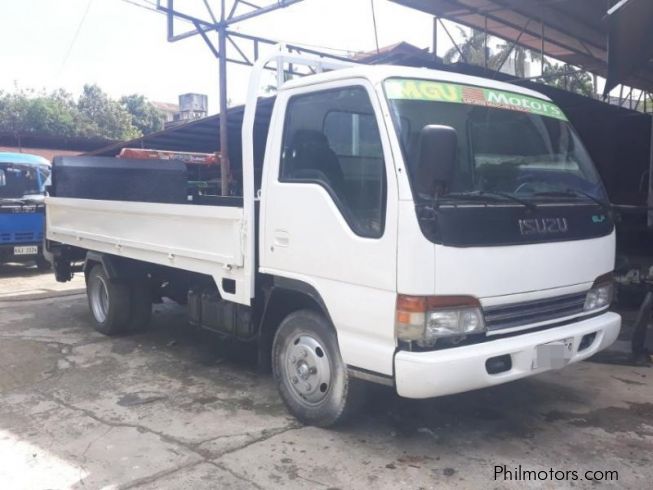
(281, 238)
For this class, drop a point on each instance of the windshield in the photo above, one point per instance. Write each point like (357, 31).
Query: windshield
(507, 143)
(20, 180)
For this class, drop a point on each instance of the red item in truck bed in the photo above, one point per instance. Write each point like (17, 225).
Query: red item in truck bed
(184, 156)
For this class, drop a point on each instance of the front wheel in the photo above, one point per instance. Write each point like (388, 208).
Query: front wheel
(311, 376)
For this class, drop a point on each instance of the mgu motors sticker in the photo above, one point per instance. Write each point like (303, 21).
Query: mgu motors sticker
(540, 226)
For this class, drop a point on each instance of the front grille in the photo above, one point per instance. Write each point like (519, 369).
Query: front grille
(21, 237)
(24, 236)
(529, 312)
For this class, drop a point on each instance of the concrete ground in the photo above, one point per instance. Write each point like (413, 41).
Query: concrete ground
(27, 282)
(174, 408)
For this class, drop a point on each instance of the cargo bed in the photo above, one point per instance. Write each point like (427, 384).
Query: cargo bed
(207, 239)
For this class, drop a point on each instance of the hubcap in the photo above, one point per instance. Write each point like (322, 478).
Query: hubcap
(307, 369)
(100, 299)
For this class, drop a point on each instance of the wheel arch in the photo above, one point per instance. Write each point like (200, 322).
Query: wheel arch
(284, 297)
(94, 258)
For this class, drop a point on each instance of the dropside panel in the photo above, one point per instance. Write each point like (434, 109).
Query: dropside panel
(203, 239)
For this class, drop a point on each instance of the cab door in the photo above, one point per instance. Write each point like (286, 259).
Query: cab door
(329, 212)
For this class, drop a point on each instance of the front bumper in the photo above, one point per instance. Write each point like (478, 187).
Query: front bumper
(459, 369)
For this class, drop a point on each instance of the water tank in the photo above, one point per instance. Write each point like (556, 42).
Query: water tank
(194, 103)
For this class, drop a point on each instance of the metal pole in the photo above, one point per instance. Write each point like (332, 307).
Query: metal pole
(512, 47)
(541, 48)
(485, 53)
(638, 100)
(171, 21)
(649, 198)
(225, 170)
(376, 32)
(435, 38)
(462, 56)
(630, 96)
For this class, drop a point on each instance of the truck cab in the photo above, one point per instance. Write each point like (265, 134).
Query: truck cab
(420, 229)
(22, 188)
(455, 226)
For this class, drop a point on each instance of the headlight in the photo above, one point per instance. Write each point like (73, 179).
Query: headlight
(425, 319)
(600, 296)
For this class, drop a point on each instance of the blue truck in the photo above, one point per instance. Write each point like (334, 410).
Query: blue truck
(22, 187)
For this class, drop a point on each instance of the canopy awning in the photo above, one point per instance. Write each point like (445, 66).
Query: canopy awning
(573, 31)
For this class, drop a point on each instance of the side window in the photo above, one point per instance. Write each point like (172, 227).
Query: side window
(331, 138)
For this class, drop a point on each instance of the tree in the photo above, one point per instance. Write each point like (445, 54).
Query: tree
(13, 111)
(472, 48)
(519, 54)
(55, 113)
(93, 114)
(568, 78)
(104, 117)
(145, 117)
(475, 52)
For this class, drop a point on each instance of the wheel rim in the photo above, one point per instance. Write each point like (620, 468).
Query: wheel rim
(99, 299)
(308, 371)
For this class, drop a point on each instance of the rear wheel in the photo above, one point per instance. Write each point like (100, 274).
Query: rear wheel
(109, 302)
(309, 371)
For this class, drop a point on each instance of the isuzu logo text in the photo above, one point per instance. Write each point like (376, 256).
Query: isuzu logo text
(539, 226)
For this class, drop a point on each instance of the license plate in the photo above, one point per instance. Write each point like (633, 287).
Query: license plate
(26, 250)
(553, 355)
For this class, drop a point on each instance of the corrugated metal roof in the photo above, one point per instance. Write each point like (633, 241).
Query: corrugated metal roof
(574, 31)
(202, 135)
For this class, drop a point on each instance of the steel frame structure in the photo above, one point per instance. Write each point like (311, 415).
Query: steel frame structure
(623, 101)
(536, 30)
(232, 47)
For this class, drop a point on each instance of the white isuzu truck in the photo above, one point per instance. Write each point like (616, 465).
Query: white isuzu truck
(425, 230)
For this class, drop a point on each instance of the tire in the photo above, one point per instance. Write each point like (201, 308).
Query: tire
(42, 263)
(109, 302)
(141, 306)
(310, 374)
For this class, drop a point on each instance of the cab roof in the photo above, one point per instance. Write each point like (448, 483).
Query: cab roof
(379, 73)
(9, 157)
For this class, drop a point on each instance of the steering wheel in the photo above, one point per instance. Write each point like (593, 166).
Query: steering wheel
(525, 188)
(526, 185)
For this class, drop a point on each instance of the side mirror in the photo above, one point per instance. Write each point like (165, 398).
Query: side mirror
(436, 158)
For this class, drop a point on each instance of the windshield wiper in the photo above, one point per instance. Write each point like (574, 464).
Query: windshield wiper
(495, 194)
(576, 193)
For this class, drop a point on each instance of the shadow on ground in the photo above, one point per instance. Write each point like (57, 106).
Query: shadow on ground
(14, 269)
